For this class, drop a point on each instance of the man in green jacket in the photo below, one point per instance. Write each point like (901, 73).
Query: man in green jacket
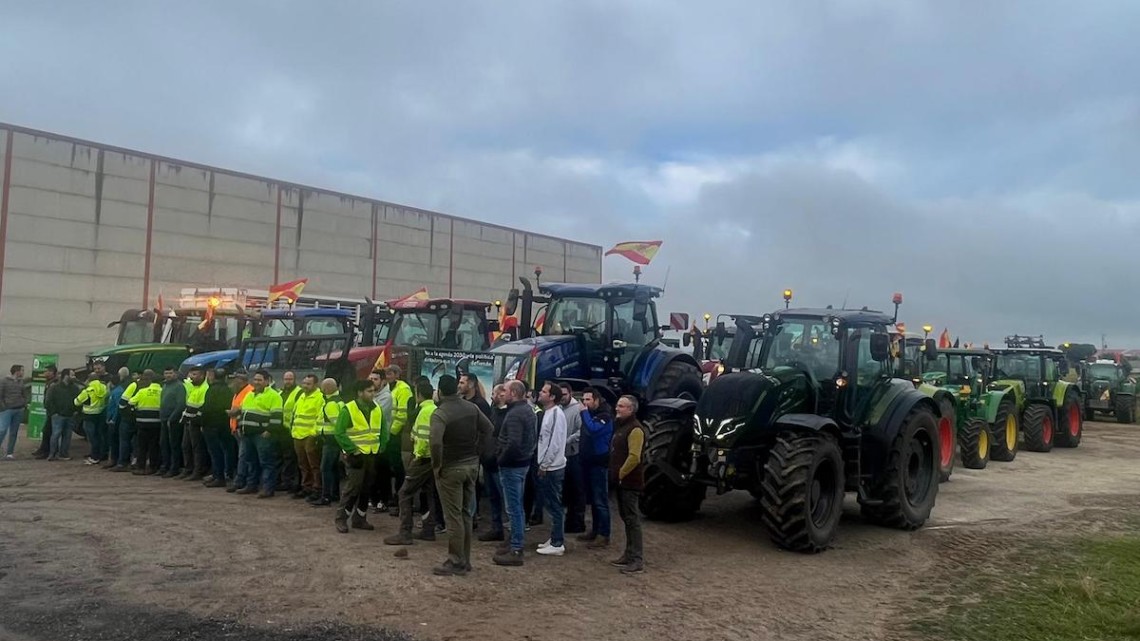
(361, 434)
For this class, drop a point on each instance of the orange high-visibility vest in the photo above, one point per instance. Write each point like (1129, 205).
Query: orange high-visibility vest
(236, 405)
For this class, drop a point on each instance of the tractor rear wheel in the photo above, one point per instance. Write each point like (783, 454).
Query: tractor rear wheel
(947, 438)
(1004, 432)
(906, 488)
(678, 380)
(1124, 406)
(1038, 422)
(801, 496)
(668, 439)
(1072, 426)
(975, 444)
(1090, 414)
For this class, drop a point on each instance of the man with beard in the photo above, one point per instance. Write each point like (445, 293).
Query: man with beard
(627, 473)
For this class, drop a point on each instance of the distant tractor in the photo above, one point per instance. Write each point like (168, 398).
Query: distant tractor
(821, 415)
(714, 348)
(1109, 389)
(1049, 408)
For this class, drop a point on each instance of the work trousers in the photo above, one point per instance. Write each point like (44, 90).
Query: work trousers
(456, 485)
(194, 456)
(223, 451)
(149, 454)
(127, 432)
(95, 427)
(170, 442)
(359, 475)
(331, 468)
(417, 478)
(629, 510)
(290, 477)
(308, 454)
(248, 468)
(45, 438)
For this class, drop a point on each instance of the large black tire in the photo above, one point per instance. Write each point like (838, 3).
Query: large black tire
(1005, 431)
(1124, 406)
(668, 439)
(679, 380)
(974, 443)
(1037, 425)
(802, 491)
(947, 438)
(1090, 414)
(1072, 424)
(906, 488)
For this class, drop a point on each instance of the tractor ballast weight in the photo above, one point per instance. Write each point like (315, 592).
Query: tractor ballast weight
(820, 416)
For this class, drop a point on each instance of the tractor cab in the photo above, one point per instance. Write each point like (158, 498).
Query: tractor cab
(304, 341)
(438, 323)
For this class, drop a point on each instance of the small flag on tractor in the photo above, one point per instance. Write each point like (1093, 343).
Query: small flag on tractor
(944, 339)
(955, 343)
(638, 251)
(290, 291)
(418, 296)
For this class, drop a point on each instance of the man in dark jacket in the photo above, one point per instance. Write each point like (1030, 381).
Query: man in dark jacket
(627, 473)
(516, 447)
(459, 435)
(597, 431)
(60, 405)
(13, 400)
(51, 377)
(216, 429)
(491, 467)
(170, 423)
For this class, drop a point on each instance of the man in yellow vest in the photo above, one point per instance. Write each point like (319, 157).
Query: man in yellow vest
(419, 472)
(391, 466)
(361, 434)
(93, 400)
(259, 420)
(289, 478)
(330, 450)
(307, 407)
(194, 455)
(146, 402)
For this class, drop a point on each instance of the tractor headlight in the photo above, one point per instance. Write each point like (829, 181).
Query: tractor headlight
(513, 370)
(728, 427)
(696, 426)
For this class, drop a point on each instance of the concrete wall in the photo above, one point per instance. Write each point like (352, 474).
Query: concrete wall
(89, 230)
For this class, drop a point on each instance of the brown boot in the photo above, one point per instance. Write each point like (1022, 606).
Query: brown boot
(360, 521)
(341, 522)
(599, 543)
(426, 534)
(399, 538)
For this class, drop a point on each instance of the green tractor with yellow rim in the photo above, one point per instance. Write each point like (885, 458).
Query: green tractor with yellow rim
(1049, 408)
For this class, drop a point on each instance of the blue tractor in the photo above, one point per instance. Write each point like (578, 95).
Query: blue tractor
(602, 336)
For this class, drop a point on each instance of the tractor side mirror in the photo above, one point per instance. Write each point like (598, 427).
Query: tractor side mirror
(930, 349)
(493, 325)
(880, 347)
(687, 339)
(512, 302)
(640, 310)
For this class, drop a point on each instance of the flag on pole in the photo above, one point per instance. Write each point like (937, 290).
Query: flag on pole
(411, 300)
(955, 343)
(160, 303)
(540, 322)
(290, 291)
(638, 251)
(944, 339)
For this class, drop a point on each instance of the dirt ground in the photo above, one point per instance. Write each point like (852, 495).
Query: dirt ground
(86, 554)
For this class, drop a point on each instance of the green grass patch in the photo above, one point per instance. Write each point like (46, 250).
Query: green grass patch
(1086, 590)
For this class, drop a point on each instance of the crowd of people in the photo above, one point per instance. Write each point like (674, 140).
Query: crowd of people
(435, 458)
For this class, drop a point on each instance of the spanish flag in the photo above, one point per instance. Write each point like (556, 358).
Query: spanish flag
(418, 296)
(290, 291)
(944, 340)
(638, 251)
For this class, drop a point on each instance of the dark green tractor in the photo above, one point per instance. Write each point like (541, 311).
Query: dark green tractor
(1049, 407)
(822, 414)
(983, 414)
(1109, 389)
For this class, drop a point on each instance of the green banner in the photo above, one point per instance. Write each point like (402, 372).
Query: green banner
(36, 414)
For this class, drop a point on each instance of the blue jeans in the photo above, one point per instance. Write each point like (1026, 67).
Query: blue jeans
(127, 432)
(495, 496)
(10, 426)
(219, 443)
(550, 489)
(268, 456)
(95, 427)
(514, 483)
(599, 491)
(113, 441)
(330, 474)
(249, 466)
(60, 436)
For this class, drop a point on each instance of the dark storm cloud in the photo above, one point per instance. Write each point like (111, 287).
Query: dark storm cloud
(979, 157)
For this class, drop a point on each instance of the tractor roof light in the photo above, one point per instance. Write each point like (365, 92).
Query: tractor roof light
(928, 328)
(787, 294)
(897, 298)
(213, 302)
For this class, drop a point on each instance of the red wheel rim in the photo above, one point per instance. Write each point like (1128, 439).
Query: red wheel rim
(1074, 420)
(946, 440)
(1047, 430)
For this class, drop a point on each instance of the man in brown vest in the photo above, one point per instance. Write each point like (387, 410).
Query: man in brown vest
(627, 475)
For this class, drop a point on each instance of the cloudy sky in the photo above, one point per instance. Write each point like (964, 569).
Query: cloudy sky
(981, 157)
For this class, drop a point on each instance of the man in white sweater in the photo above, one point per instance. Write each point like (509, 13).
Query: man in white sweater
(552, 465)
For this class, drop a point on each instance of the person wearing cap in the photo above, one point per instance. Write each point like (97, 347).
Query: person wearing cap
(246, 460)
(361, 434)
(216, 428)
(459, 435)
(419, 473)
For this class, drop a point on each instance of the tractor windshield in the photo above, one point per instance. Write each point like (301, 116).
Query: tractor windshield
(572, 315)
(957, 368)
(136, 331)
(279, 327)
(1026, 367)
(1104, 371)
(222, 331)
(718, 351)
(807, 344)
(426, 328)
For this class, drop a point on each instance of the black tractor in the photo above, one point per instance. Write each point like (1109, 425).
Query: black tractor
(822, 414)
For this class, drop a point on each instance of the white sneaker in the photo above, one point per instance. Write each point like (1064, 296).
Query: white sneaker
(551, 550)
(543, 546)
(9, 457)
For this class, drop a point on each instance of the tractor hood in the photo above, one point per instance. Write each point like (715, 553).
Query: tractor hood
(738, 405)
(210, 360)
(526, 345)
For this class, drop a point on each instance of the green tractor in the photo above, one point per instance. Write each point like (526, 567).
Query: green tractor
(984, 414)
(1049, 408)
(821, 415)
(1110, 389)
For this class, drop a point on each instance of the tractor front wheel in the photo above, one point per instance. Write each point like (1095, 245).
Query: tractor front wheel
(974, 442)
(679, 380)
(1004, 432)
(668, 440)
(801, 495)
(1124, 406)
(1038, 421)
(1072, 425)
(905, 490)
(947, 438)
